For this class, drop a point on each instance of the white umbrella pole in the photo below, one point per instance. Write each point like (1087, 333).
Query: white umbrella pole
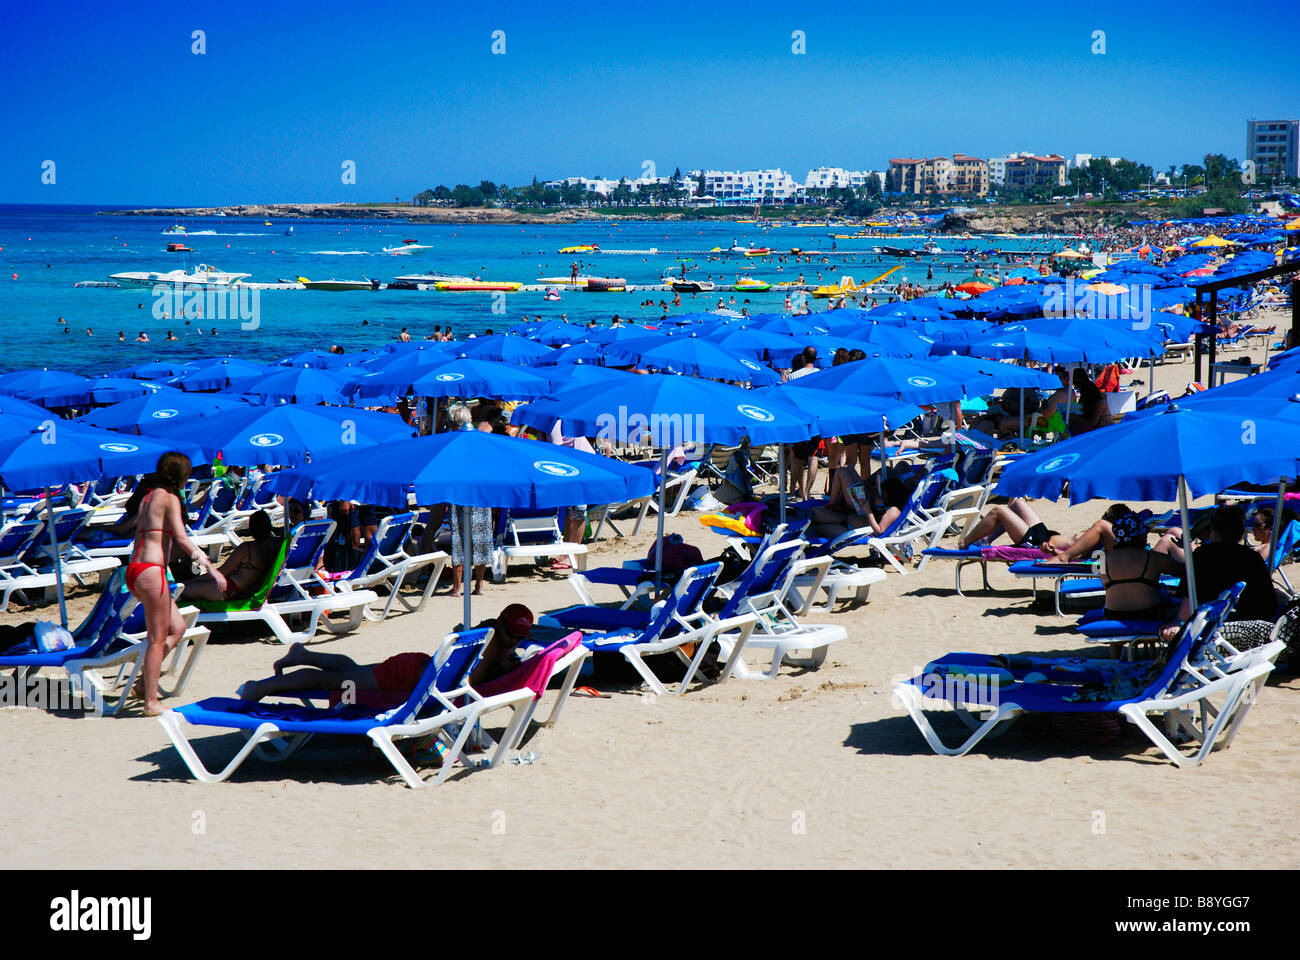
(58, 562)
(1277, 521)
(1151, 382)
(659, 525)
(780, 467)
(1187, 541)
(1020, 416)
(467, 568)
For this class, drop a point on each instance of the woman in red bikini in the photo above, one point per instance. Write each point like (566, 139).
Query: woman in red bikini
(159, 524)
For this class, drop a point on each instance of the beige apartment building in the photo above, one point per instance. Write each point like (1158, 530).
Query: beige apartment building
(1022, 173)
(937, 176)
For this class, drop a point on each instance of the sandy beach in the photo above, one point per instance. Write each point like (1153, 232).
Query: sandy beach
(811, 769)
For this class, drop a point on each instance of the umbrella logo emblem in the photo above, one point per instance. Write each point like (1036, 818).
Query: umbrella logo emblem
(553, 469)
(165, 414)
(449, 377)
(266, 439)
(921, 381)
(749, 363)
(118, 447)
(1058, 463)
(756, 413)
(1003, 343)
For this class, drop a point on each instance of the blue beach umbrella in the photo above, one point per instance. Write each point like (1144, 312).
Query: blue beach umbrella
(157, 369)
(571, 375)
(218, 374)
(1178, 453)
(673, 409)
(574, 353)
(834, 414)
(283, 435)
(459, 377)
(164, 406)
(11, 406)
(469, 468)
(299, 385)
(98, 390)
(691, 355)
(20, 383)
(507, 349)
(48, 453)
(754, 344)
(320, 360)
(906, 379)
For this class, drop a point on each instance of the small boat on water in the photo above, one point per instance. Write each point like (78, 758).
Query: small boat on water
(477, 286)
(433, 278)
(551, 294)
(752, 283)
(606, 285)
(579, 281)
(339, 284)
(758, 252)
(581, 248)
(693, 286)
(179, 248)
(177, 230)
(202, 275)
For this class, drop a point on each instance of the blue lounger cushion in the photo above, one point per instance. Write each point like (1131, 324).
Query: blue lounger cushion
(597, 618)
(1033, 568)
(968, 553)
(291, 718)
(1033, 697)
(1101, 629)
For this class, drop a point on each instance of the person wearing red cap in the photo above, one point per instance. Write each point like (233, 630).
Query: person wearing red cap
(390, 681)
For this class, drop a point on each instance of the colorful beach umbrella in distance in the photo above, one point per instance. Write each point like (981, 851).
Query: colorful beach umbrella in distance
(458, 377)
(166, 405)
(469, 468)
(282, 435)
(973, 287)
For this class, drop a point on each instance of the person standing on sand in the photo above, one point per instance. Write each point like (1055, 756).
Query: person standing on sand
(159, 525)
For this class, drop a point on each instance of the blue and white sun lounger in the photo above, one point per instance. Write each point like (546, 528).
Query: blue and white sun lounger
(1201, 668)
(441, 701)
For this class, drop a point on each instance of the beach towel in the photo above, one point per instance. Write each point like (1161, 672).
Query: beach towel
(1002, 554)
(535, 672)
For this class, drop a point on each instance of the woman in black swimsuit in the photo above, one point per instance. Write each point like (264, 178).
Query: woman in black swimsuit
(1131, 574)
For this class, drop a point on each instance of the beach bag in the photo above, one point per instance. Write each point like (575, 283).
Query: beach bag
(50, 637)
(678, 557)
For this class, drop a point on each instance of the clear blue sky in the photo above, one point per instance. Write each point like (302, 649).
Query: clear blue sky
(413, 94)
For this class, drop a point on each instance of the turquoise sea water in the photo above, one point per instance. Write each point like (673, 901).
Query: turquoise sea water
(49, 249)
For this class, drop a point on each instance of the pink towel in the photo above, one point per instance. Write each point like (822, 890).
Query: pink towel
(1002, 554)
(535, 672)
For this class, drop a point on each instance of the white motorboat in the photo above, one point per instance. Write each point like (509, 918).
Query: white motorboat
(339, 284)
(432, 278)
(202, 275)
(177, 230)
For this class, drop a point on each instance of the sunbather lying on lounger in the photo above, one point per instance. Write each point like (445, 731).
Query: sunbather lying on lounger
(852, 505)
(245, 568)
(1025, 528)
(396, 676)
